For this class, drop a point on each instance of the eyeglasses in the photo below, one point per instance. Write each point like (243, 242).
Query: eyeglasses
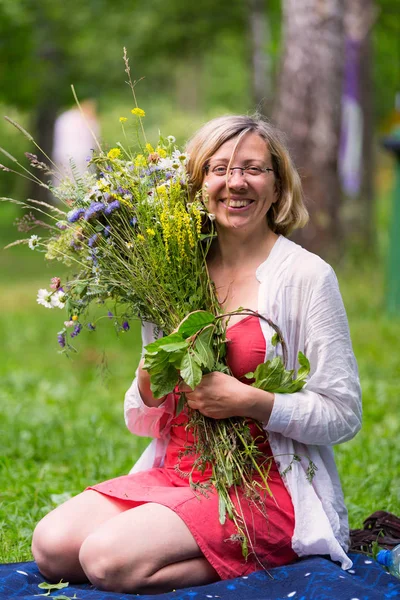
(221, 170)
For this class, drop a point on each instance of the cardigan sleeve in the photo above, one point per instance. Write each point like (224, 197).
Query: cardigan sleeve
(143, 420)
(328, 409)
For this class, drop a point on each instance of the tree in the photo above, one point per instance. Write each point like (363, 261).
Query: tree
(307, 108)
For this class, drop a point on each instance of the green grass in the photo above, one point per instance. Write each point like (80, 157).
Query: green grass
(61, 420)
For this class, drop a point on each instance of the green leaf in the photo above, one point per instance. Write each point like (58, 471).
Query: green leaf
(163, 382)
(203, 348)
(53, 586)
(156, 363)
(194, 322)
(272, 376)
(191, 372)
(180, 405)
(275, 339)
(169, 343)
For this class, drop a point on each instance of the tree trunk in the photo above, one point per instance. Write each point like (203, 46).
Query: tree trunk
(260, 62)
(308, 110)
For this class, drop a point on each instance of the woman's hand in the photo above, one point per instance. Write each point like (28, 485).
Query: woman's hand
(221, 396)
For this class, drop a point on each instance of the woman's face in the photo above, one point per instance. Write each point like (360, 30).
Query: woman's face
(240, 199)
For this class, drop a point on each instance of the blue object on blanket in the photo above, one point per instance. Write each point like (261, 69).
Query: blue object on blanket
(308, 579)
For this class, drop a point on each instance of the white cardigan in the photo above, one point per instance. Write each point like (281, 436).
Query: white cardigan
(299, 292)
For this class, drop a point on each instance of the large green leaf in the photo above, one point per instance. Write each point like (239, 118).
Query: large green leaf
(272, 376)
(191, 372)
(194, 322)
(163, 382)
(203, 349)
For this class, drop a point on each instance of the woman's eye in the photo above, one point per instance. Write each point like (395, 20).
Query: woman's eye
(221, 170)
(253, 170)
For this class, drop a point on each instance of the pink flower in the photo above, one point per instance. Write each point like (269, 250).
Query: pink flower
(55, 283)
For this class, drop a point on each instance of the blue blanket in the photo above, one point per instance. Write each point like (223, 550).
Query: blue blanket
(308, 579)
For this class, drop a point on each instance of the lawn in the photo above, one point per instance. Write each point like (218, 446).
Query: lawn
(61, 420)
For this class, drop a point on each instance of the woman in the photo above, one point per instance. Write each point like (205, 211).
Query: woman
(148, 532)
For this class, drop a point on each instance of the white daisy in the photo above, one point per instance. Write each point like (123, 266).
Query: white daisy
(33, 241)
(44, 298)
(58, 299)
(171, 139)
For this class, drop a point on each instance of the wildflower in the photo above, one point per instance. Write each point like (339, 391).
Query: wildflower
(33, 241)
(3, 168)
(44, 298)
(140, 237)
(111, 207)
(123, 119)
(140, 161)
(107, 231)
(76, 214)
(133, 221)
(94, 209)
(171, 139)
(150, 232)
(61, 225)
(68, 323)
(91, 326)
(149, 148)
(110, 314)
(61, 338)
(114, 153)
(77, 330)
(55, 283)
(125, 326)
(211, 216)
(92, 241)
(138, 112)
(58, 299)
(161, 152)
(74, 317)
(129, 245)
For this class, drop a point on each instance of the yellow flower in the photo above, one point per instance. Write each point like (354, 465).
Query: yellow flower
(150, 232)
(139, 112)
(161, 152)
(74, 318)
(123, 119)
(114, 153)
(140, 237)
(140, 161)
(149, 148)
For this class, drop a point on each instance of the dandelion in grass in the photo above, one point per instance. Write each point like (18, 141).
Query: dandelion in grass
(33, 242)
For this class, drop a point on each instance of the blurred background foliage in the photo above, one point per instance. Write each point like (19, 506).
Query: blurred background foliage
(61, 421)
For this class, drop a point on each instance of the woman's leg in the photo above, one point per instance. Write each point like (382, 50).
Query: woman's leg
(58, 537)
(147, 549)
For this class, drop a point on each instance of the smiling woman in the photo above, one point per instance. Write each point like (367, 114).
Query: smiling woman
(149, 531)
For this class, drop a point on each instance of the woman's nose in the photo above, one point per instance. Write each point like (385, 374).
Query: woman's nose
(237, 179)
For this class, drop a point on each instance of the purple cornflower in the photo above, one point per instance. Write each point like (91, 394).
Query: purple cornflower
(77, 330)
(109, 314)
(61, 339)
(125, 326)
(94, 209)
(107, 231)
(133, 221)
(111, 207)
(75, 215)
(92, 240)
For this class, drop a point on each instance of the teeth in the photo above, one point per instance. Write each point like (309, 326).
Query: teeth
(238, 203)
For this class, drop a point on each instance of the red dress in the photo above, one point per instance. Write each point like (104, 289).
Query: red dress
(270, 537)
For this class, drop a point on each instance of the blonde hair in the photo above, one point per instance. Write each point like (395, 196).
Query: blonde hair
(289, 211)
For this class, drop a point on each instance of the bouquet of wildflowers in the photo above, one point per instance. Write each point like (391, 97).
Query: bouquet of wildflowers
(130, 232)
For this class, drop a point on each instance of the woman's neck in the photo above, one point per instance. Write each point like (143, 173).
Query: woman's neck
(234, 248)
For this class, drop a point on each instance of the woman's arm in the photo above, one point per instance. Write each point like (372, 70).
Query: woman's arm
(328, 410)
(145, 415)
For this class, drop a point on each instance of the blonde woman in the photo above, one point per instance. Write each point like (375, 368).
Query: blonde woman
(147, 532)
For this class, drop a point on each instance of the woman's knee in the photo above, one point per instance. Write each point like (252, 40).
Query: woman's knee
(53, 549)
(109, 568)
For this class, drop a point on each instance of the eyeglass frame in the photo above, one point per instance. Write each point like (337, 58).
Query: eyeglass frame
(206, 170)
